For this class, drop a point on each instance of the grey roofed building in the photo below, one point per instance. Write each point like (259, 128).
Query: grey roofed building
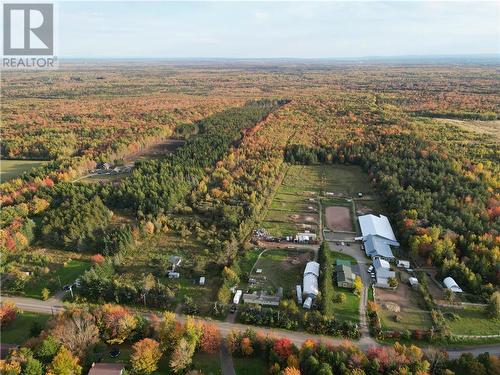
(376, 225)
(106, 369)
(383, 272)
(377, 246)
(345, 276)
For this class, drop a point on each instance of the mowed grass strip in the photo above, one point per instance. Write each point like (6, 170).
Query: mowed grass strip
(63, 274)
(19, 330)
(10, 169)
(471, 321)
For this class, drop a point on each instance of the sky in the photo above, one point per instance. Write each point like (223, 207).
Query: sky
(276, 29)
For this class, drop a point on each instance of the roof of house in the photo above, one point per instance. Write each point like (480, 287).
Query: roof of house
(452, 285)
(311, 284)
(312, 267)
(380, 263)
(376, 225)
(384, 279)
(377, 246)
(345, 274)
(106, 369)
(343, 262)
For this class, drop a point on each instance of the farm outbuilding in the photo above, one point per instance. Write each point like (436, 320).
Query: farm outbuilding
(311, 274)
(383, 272)
(377, 246)
(376, 226)
(306, 237)
(452, 285)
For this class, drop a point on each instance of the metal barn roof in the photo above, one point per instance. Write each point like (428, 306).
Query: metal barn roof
(376, 225)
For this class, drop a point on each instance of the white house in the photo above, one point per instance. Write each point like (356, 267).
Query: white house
(383, 272)
(452, 285)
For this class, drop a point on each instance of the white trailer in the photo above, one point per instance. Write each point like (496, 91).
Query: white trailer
(298, 289)
(237, 297)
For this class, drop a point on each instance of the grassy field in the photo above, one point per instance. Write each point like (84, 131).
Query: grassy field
(471, 321)
(10, 169)
(54, 280)
(281, 268)
(249, 366)
(208, 364)
(19, 330)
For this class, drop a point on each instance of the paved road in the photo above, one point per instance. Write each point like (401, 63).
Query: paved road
(52, 306)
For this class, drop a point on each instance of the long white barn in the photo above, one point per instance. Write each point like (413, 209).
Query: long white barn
(378, 236)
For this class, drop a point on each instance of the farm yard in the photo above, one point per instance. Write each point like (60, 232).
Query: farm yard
(295, 205)
(280, 268)
(10, 169)
(402, 309)
(338, 218)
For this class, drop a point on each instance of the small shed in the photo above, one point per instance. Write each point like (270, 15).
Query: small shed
(452, 285)
(258, 270)
(298, 290)
(403, 264)
(174, 261)
(202, 280)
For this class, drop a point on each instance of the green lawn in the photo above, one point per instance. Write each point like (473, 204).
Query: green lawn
(249, 366)
(19, 330)
(472, 321)
(349, 310)
(283, 268)
(66, 275)
(337, 255)
(10, 169)
(209, 364)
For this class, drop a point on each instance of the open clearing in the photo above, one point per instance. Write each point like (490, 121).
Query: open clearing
(338, 218)
(409, 304)
(281, 268)
(491, 128)
(18, 331)
(471, 321)
(10, 169)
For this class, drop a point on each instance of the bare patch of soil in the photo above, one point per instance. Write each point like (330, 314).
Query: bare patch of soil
(338, 218)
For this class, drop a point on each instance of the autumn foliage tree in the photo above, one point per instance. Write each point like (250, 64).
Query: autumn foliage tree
(210, 339)
(145, 356)
(8, 313)
(116, 323)
(64, 363)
